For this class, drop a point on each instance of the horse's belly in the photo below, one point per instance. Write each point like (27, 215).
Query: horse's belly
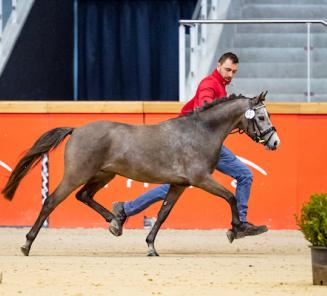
(157, 174)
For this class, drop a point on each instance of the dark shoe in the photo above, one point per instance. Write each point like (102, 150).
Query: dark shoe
(116, 225)
(247, 228)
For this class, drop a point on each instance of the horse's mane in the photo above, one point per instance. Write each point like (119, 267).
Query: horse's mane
(222, 100)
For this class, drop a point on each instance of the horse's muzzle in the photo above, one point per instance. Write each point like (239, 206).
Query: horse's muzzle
(273, 142)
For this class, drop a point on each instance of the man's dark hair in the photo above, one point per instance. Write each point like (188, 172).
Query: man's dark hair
(228, 55)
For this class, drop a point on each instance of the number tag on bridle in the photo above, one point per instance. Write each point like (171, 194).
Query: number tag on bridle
(249, 114)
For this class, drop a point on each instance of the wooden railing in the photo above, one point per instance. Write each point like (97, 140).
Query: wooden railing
(139, 107)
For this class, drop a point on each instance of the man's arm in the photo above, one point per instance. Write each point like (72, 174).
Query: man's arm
(206, 92)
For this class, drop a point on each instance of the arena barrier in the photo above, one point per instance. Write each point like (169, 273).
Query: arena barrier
(283, 180)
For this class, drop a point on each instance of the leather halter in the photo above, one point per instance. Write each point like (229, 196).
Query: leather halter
(257, 135)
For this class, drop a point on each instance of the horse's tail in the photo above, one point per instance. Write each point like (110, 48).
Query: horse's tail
(48, 141)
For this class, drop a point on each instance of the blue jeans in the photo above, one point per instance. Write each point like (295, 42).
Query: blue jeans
(228, 164)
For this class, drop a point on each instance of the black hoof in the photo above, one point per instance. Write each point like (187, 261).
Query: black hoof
(153, 254)
(25, 250)
(230, 236)
(115, 228)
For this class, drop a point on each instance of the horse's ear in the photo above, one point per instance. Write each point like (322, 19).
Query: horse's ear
(257, 99)
(262, 96)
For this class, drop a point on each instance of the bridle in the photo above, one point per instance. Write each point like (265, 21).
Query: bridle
(258, 135)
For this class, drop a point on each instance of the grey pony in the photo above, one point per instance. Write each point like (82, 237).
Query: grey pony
(182, 151)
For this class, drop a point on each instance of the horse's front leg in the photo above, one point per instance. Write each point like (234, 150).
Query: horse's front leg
(171, 198)
(210, 185)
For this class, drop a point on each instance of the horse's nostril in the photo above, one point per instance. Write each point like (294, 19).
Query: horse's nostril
(275, 143)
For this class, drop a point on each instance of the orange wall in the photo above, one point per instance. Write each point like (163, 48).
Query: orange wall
(295, 171)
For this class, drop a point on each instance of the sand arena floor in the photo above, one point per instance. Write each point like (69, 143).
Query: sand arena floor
(93, 262)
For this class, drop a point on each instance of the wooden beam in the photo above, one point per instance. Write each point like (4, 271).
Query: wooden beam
(70, 107)
(163, 107)
(140, 107)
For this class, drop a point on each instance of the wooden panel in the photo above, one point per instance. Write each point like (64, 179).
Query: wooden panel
(71, 107)
(140, 107)
(162, 107)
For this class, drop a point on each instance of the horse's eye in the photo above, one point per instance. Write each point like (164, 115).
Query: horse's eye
(262, 118)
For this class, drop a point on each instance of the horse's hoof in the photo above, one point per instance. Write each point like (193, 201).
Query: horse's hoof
(153, 254)
(230, 236)
(115, 228)
(25, 250)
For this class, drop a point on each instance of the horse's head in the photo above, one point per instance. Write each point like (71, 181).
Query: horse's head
(257, 125)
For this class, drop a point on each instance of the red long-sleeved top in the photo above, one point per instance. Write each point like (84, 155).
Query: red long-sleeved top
(211, 88)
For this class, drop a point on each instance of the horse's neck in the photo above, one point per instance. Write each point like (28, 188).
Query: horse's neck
(224, 117)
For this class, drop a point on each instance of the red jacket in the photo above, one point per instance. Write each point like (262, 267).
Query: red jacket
(211, 88)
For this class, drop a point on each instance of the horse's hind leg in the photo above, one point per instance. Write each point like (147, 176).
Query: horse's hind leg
(85, 195)
(59, 195)
(172, 196)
